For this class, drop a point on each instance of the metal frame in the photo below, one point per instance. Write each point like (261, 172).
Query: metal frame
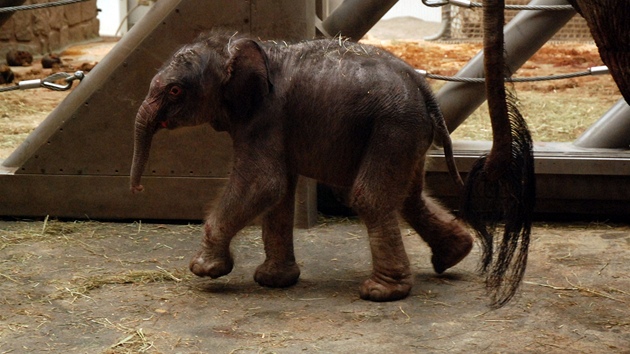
(524, 36)
(611, 131)
(588, 177)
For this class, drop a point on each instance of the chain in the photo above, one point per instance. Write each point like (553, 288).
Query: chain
(49, 82)
(470, 4)
(38, 6)
(596, 70)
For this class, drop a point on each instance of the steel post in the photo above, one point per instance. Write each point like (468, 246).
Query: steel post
(524, 35)
(611, 131)
(353, 18)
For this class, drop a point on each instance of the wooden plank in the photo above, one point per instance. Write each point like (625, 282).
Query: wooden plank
(549, 158)
(106, 197)
(569, 180)
(109, 197)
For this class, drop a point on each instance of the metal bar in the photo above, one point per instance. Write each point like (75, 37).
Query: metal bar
(611, 131)
(524, 35)
(445, 30)
(570, 181)
(353, 18)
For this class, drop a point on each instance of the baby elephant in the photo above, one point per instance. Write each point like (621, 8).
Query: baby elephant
(349, 115)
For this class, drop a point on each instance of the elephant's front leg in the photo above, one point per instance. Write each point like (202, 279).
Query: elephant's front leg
(391, 274)
(213, 259)
(249, 193)
(279, 269)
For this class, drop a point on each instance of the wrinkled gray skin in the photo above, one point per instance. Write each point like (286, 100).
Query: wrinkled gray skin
(351, 116)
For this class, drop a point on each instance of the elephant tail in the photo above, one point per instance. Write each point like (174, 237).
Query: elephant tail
(490, 201)
(442, 133)
(500, 188)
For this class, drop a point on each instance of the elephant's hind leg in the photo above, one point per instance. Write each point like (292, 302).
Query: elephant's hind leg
(377, 195)
(448, 238)
(279, 269)
(391, 275)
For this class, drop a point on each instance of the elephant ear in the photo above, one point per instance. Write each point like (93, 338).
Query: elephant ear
(247, 82)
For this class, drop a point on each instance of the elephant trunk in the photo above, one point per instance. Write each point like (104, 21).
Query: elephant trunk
(144, 130)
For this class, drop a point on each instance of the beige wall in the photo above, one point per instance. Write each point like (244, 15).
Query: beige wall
(50, 29)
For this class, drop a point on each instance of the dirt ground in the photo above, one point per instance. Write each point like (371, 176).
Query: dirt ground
(89, 287)
(97, 287)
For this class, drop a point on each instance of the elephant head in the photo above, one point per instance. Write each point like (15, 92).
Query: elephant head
(204, 82)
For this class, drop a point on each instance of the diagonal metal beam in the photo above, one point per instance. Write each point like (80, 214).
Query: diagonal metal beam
(524, 36)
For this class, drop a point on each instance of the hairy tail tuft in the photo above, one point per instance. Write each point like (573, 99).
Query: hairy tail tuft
(493, 199)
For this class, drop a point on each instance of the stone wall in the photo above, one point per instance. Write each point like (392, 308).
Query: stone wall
(50, 29)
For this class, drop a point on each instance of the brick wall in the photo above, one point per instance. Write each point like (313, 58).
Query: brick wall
(50, 29)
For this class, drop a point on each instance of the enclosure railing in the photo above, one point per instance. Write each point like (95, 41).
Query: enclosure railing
(462, 20)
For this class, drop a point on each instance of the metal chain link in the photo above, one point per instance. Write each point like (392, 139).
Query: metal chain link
(470, 4)
(38, 6)
(49, 82)
(596, 70)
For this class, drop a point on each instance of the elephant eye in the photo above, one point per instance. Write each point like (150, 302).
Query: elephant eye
(175, 91)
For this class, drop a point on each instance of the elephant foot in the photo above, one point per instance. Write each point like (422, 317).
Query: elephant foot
(274, 275)
(373, 290)
(204, 264)
(451, 251)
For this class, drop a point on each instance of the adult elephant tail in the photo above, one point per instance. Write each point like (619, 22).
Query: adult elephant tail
(500, 188)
